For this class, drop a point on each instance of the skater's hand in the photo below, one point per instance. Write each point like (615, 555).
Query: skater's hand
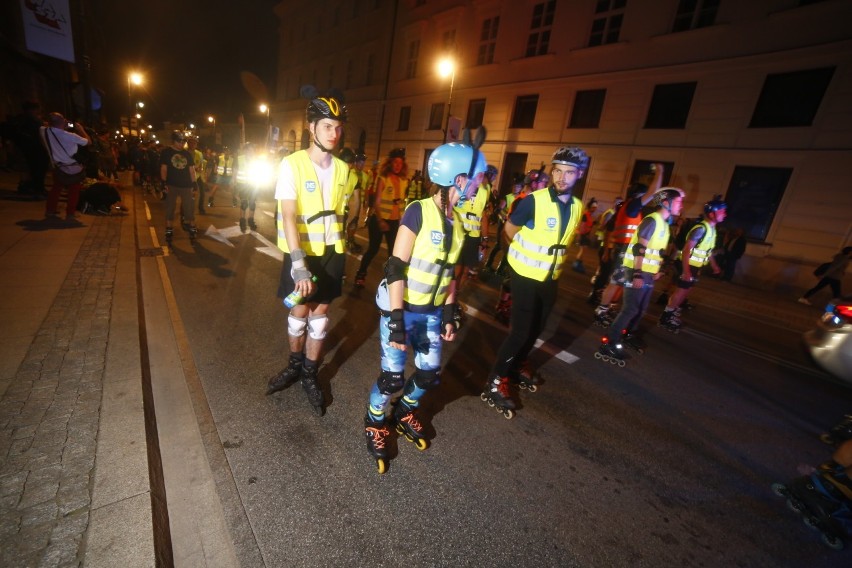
(303, 279)
(396, 326)
(450, 322)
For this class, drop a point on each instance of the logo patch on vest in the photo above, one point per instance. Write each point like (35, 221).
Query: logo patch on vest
(437, 237)
(551, 223)
(310, 186)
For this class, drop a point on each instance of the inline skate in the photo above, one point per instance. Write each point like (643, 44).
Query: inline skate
(604, 315)
(669, 320)
(377, 434)
(286, 377)
(360, 279)
(313, 390)
(496, 395)
(840, 432)
(252, 225)
(407, 425)
(243, 225)
(170, 234)
(634, 342)
(525, 378)
(823, 500)
(611, 352)
(193, 234)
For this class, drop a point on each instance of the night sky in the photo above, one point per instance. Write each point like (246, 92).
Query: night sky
(191, 53)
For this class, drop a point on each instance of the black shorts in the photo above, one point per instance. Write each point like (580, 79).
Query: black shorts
(685, 284)
(586, 240)
(328, 269)
(469, 256)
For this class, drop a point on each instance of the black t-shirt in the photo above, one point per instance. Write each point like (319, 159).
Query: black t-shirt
(178, 163)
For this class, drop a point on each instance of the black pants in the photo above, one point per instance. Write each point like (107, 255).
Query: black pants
(634, 305)
(834, 283)
(532, 301)
(375, 235)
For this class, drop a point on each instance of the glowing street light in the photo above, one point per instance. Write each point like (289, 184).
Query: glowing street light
(447, 68)
(133, 78)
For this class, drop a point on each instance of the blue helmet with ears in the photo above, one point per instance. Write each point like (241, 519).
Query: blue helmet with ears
(450, 160)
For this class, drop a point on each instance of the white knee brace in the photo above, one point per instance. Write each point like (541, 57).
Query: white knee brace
(316, 327)
(296, 326)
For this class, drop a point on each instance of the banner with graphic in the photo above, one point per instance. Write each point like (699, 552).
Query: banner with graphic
(47, 28)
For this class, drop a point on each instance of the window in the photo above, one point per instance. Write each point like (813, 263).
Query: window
(371, 65)
(448, 41)
(542, 20)
(488, 41)
(791, 99)
(753, 198)
(692, 14)
(588, 106)
(606, 26)
(475, 113)
(436, 117)
(411, 64)
(404, 118)
(525, 109)
(670, 105)
(643, 172)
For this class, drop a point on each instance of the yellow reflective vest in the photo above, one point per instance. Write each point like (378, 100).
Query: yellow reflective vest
(225, 165)
(701, 253)
(430, 269)
(471, 212)
(539, 253)
(653, 259)
(392, 199)
(310, 209)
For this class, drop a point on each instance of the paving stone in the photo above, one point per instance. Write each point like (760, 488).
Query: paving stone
(39, 514)
(13, 483)
(60, 553)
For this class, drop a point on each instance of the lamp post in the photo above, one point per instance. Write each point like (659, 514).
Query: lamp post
(212, 120)
(447, 68)
(265, 109)
(133, 78)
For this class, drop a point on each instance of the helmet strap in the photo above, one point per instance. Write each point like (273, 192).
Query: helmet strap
(317, 142)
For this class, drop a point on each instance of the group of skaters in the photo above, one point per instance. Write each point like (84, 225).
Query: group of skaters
(433, 240)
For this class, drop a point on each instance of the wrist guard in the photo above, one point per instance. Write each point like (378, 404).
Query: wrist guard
(396, 325)
(450, 315)
(300, 274)
(297, 255)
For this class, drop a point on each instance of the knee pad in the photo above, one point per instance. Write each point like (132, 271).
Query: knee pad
(427, 379)
(296, 326)
(316, 327)
(390, 383)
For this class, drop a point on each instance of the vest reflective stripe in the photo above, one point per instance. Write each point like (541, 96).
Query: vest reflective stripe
(471, 212)
(540, 253)
(310, 210)
(600, 231)
(653, 258)
(391, 196)
(242, 169)
(701, 253)
(225, 163)
(428, 275)
(625, 226)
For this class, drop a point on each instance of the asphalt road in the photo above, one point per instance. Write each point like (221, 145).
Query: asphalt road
(666, 462)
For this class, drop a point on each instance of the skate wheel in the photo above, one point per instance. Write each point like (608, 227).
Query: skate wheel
(810, 523)
(420, 443)
(833, 542)
(827, 438)
(793, 506)
(319, 410)
(779, 489)
(621, 363)
(508, 413)
(532, 388)
(381, 465)
(483, 397)
(598, 355)
(490, 402)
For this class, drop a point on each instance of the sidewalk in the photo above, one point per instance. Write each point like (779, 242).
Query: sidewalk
(75, 487)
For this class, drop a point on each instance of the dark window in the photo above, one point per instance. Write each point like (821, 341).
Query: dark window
(588, 106)
(404, 118)
(436, 117)
(753, 198)
(791, 99)
(525, 109)
(693, 14)
(542, 21)
(670, 105)
(642, 172)
(411, 64)
(606, 27)
(488, 41)
(475, 113)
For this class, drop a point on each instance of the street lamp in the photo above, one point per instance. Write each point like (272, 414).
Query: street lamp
(447, 68)
(133, 78)
(265, 109)
(212, 120)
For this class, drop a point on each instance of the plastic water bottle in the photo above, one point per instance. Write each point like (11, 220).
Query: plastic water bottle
(294, 298)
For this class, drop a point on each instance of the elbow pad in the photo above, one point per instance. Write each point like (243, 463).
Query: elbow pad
(639, 249)
(395, 269)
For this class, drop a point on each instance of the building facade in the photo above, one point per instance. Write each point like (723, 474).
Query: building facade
(750, 100)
